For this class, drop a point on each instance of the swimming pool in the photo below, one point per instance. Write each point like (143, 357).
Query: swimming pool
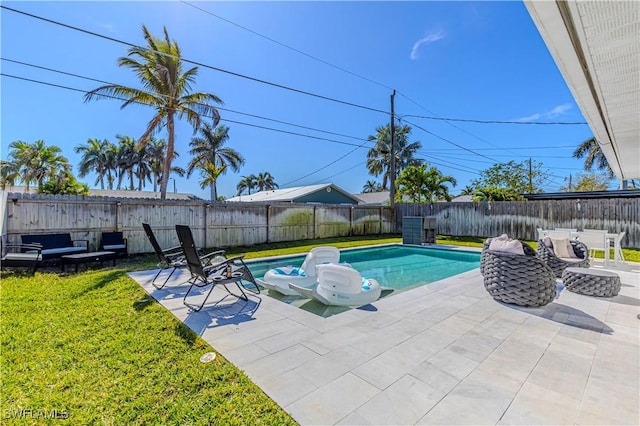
(396, 267)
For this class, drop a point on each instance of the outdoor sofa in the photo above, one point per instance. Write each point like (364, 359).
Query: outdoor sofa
(54, 246)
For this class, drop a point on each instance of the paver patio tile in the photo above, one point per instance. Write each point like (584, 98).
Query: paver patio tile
(332, 340)
(245, 354)
(286, 388)
(541, 406)
(275, 343)
(472, 402)
(332, 402)
(404, 402)
(280, 362)
(328, 367)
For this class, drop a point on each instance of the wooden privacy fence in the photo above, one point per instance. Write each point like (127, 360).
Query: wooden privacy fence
(237, 224)
(213, 224)
(519, 219)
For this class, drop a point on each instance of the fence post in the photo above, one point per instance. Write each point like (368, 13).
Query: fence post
(205, 206)
(268, 216)
(314, 222)
(118, 215)
(351, 221)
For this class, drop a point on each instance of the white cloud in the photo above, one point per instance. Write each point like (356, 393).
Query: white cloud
(423, 41)
(553, 113)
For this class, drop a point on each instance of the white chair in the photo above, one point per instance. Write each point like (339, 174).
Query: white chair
(597, 231)
(557, 234)
(595, 241)
(617, 253)
(566, 229)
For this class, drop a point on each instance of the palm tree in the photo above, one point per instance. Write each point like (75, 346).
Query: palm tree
(94, 159)
(210, 173)
(590, 149)
(379, 158)
(166, 88)
(265, 182)
(371, 186)
(417, 182)
(125, 159)
(36, 162)
(246, 183)
(9, 173)
(435, 183)
(209, 149)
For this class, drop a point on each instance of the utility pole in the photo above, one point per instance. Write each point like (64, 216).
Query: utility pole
(392, 153)
(530, 178)
(570, 182)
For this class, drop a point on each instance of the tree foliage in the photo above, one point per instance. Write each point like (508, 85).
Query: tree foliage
(208, 150)
(593, 156)
(372, 186)
(588, 182)
(166, 88)
(33, 163)
(510, 180)
(379, 157)
(420, 183)
(64, 184)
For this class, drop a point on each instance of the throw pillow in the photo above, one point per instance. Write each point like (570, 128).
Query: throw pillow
(506, 246)
(560, 248)
(547, 242)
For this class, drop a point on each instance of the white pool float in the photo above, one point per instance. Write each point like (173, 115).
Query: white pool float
(305, 276)
(341, 285)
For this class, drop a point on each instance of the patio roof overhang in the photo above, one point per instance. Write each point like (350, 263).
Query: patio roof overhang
(596, 46)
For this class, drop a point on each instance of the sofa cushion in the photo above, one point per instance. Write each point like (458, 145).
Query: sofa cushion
(114, 247)
(63, 250)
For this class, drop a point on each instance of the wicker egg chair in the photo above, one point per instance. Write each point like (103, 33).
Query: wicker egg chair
(557, 264)
(517, 279)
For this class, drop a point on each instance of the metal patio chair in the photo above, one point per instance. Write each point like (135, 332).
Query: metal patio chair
(171, 258)
(222, 273)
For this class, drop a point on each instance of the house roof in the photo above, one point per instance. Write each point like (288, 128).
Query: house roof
(374, 198)
(290, 195)
(114, 193)
(630, 193)
(595, 45)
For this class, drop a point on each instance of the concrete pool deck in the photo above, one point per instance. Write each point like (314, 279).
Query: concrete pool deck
(444, 353)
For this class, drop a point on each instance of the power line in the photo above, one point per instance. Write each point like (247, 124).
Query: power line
(222, 119)
(469, 120)
(233, 73)
(217, 107)
(452, 143)
(315, 58)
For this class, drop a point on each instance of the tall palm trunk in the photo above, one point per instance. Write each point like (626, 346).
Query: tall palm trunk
(214, 192)
(167, 160)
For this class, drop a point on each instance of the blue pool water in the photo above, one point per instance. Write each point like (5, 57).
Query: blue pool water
(396, 267)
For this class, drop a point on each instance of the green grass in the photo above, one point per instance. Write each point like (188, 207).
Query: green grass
(94, 345)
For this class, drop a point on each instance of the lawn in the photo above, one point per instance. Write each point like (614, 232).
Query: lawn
(95, 348)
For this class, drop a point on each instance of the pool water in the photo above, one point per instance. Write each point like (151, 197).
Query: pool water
(396, 267)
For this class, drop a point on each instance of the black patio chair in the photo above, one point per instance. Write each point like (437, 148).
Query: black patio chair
(171, 258)
(224, 272)
(115, 242)
(16, 255)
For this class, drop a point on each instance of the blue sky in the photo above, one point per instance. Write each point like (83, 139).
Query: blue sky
(469, 60)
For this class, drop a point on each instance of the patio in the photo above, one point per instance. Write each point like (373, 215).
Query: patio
(444, 353)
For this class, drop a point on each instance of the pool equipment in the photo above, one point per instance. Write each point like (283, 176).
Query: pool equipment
(305, 276)
(341, 285)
